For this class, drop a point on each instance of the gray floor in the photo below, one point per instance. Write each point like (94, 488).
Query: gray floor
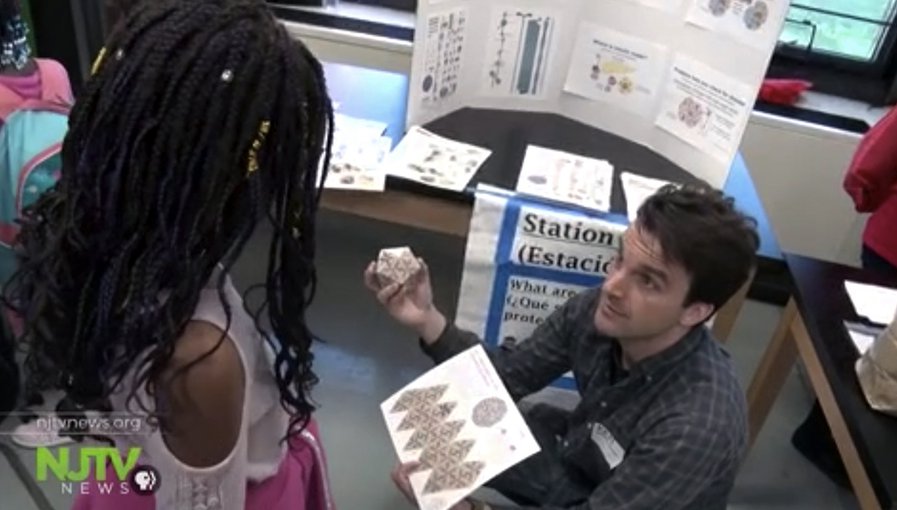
(365, 357)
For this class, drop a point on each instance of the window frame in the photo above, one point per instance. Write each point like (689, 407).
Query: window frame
(840, 75)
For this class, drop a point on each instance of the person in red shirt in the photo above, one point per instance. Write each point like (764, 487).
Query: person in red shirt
(871, 181)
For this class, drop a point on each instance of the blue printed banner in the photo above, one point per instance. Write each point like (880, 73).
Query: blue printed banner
(525, 258)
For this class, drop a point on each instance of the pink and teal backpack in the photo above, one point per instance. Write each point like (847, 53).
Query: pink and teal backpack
(31, 135)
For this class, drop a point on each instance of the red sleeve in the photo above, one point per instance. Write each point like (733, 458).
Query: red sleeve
(873, 171)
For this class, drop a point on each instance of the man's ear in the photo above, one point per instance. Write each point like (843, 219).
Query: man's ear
(695, 314)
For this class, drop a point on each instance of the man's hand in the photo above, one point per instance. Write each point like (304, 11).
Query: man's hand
(410, 304)
(400, 477)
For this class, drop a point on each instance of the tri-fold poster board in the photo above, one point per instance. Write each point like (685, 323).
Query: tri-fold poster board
(677, 76)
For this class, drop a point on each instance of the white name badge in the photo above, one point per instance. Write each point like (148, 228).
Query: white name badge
(610, 448)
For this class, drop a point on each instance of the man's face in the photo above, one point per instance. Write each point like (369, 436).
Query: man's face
(644, 295)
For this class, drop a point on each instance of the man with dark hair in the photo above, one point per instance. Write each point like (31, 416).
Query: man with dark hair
(662, 423)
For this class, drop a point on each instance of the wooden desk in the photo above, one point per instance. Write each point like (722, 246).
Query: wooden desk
(382, 96)
(812, 328)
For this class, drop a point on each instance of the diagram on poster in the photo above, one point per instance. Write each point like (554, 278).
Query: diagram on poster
(429, 159)
(753, 22)
(637, 189)
(566, 177)
(459, 424)
(616, 68)
(518, 51)
(705, 108)
(445, 38)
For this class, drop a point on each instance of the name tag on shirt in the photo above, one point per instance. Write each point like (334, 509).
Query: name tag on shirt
(610, 448)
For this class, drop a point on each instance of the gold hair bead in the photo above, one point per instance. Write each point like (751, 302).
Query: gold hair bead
(98, 61)
(264, 128)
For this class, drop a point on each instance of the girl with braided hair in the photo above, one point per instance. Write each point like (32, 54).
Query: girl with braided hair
(203, 122)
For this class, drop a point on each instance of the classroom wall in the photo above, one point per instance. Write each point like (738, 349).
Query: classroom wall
(796, 167)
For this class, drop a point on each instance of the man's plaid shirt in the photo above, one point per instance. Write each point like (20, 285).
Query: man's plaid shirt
(679, 418)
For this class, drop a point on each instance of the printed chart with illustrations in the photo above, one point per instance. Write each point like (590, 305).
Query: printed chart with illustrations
(751, 22)
(616, 68)
(429, 159)
(445, 34)
(567, 178)
(459, 424)
(613, 65)
(705, 108)
(518, 51)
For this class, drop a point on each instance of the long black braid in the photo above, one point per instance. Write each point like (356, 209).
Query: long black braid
(203, 118)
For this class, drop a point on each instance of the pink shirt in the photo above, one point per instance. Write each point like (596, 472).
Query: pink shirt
(28, 86)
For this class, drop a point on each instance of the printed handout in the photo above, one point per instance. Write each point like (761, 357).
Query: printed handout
(566, 177)
(616, 68)
(519, 51)
(756, 23)
(459, 424)
(436, 161)
(705, 108)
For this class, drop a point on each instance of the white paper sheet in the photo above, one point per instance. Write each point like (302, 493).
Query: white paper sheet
(877, 304)
(459, 422)
(755, 23)
(862, 341)
(637, 189)
(445, 39)
(362, 127)
(705, 108)
(519, 49)
(665, 5)
(436, 161)
(616, 68)
(567, 178)
(356, 163)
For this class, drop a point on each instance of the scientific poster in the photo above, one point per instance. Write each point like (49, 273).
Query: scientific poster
(445, 38)
(568, 178)
(616, 68)
(705, 108)
(518, 51)
(756, 23)
(459, 423)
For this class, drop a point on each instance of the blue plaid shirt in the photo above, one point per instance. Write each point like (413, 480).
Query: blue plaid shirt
(677, 421)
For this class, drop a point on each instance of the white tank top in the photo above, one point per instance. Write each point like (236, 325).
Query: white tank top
(259, 450)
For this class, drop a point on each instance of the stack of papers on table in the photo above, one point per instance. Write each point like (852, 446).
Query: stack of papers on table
(876, 304)
(436, 161)
(359, 148)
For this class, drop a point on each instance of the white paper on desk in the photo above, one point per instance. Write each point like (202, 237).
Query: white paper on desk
(356, 163)
(365, 128)
(877, 304)
(460, 424)
(436, 161)
(862, 341)
(567, 178)
(637, 189)
(705, 107)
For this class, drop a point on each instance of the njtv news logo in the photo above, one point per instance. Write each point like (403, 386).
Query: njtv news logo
(86, 470)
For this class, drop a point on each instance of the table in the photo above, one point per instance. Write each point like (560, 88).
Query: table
(812, 327)
(382, 96)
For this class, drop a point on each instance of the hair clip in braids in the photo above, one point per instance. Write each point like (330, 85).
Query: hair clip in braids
(264, 127)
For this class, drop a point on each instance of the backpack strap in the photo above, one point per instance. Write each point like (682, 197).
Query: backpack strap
(54, 81)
